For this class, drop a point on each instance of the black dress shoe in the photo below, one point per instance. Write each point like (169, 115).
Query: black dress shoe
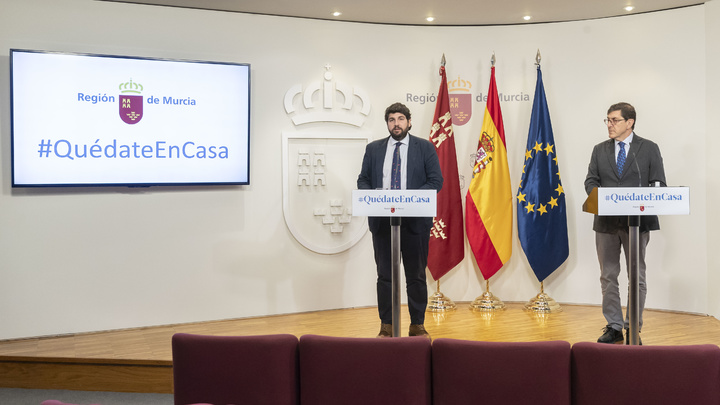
(627, 338)
(611, 336)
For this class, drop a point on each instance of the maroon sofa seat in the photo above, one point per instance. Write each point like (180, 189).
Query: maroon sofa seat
(364, 371)
(470, 372)
(235, 370)
(656, 375)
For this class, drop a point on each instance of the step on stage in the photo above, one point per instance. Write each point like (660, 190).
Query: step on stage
(140, 360)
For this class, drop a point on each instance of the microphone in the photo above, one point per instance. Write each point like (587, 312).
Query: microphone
(638, 168)
(657, 183)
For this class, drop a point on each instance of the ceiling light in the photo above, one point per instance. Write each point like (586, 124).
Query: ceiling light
(629, 8)
(527, 18)
(337, 14)
(430, 19)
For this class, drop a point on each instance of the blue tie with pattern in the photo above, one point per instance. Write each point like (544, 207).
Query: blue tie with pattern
(395, 176)
(621, 158)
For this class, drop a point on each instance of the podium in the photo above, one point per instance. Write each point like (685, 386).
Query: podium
(394, 204)
(635, 202)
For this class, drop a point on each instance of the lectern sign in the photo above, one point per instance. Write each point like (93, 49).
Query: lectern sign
(643, 200)
(394, 203)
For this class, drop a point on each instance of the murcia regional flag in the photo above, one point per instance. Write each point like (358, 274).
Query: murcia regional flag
(447, 242)
(488, 203)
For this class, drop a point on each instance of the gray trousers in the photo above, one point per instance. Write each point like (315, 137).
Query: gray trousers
(608, 250)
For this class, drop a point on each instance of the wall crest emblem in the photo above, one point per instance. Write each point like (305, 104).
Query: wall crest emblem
(321, 160)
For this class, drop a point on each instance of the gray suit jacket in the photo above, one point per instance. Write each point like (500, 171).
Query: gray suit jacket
(643, 167)
(423, 168)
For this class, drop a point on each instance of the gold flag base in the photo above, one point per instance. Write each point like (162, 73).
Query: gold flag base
(487, 301)
(438, 302)
(543, 303)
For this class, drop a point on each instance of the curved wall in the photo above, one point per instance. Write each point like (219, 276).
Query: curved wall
(74, 260)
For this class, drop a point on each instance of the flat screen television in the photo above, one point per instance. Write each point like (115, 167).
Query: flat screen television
(104, 120)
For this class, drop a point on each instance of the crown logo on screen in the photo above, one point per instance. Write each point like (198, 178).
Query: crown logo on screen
(327, 101)
(131, 87)
(131, 102)
(459, 85)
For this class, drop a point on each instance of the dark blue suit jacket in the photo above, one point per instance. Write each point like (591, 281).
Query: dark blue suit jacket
(423, 172)
(644, 166)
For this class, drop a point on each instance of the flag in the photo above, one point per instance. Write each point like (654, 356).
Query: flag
(488, 203)
(542, 218)
(447, 240)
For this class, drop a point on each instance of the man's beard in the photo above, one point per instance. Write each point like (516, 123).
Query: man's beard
(401, 135)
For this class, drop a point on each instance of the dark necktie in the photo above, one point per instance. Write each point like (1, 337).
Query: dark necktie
(621, 158)
(395, 176)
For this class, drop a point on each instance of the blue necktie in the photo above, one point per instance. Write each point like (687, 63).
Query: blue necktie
(395, 176)
(621, 158)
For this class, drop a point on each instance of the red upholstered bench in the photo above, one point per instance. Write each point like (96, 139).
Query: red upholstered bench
(470, 372)
(237, 370)
(656, 375)
(362, 371)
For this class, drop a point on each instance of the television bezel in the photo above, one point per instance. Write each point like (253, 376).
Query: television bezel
(14, 184)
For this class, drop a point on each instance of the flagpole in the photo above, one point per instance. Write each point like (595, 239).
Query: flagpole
(485, 157)
(446, 235)
(541, 303)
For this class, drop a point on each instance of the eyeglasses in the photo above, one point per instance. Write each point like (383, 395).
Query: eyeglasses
(613, 121)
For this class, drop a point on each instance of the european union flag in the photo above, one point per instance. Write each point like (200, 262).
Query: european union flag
(542, 218)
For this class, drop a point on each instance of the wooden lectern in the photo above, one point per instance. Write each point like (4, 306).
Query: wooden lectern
(636, 202)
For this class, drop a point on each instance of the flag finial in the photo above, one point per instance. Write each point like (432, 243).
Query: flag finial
(442, 62)
(492, 60)
(537, 58)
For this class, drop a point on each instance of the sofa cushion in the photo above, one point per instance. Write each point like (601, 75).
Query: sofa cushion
(364, 371)
(235, 369)
(657, 375)
(471, 372)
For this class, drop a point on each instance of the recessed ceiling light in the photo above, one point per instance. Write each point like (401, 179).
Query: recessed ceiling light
(629, 8)
(337, 14)
(527, 18)
(430, 19)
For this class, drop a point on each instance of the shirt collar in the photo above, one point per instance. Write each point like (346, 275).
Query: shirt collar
(404, 141)
(627, 140)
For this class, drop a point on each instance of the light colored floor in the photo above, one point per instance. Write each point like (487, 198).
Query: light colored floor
(576, 323)
(18, 396)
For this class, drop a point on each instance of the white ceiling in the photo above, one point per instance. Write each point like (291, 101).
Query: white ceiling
(445, 12)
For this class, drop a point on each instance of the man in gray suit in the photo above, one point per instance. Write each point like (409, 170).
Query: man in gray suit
(418, 167)
(624, 160)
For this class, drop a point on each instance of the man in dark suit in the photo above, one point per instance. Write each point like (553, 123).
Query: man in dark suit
(624, 160)
(416, 167)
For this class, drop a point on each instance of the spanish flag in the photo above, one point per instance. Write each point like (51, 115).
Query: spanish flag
(489, 200)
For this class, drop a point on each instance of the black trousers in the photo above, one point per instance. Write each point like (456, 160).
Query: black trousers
(414, 253)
